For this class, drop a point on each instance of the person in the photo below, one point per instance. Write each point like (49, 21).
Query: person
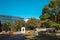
(0, 27)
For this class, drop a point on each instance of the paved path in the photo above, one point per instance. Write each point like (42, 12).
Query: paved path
(15, 37)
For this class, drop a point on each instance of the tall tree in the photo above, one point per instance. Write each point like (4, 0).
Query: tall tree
(52, 9)
(50, 13)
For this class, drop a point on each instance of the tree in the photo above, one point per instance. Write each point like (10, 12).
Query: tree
(6, 26)
(45, 23)
(49, 17)
(45, 16)
(54, 25)
(32, 23)
(18, 24)
(51, 9)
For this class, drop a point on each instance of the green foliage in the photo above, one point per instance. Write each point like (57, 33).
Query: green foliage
(32, 23)
(45, 23)
(18, 24)
(49, 14)
(55, 25)
(51, 8)
(45, 16)
(6, 26)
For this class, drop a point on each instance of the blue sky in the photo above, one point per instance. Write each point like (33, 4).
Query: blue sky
(22, 8)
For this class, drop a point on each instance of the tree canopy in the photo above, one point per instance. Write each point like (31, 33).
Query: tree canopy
(32, 23)
(50, 14)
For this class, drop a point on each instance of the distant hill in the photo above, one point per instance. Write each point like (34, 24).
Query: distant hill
(5, 18)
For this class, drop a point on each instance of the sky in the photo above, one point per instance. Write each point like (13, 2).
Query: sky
(22, 8)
